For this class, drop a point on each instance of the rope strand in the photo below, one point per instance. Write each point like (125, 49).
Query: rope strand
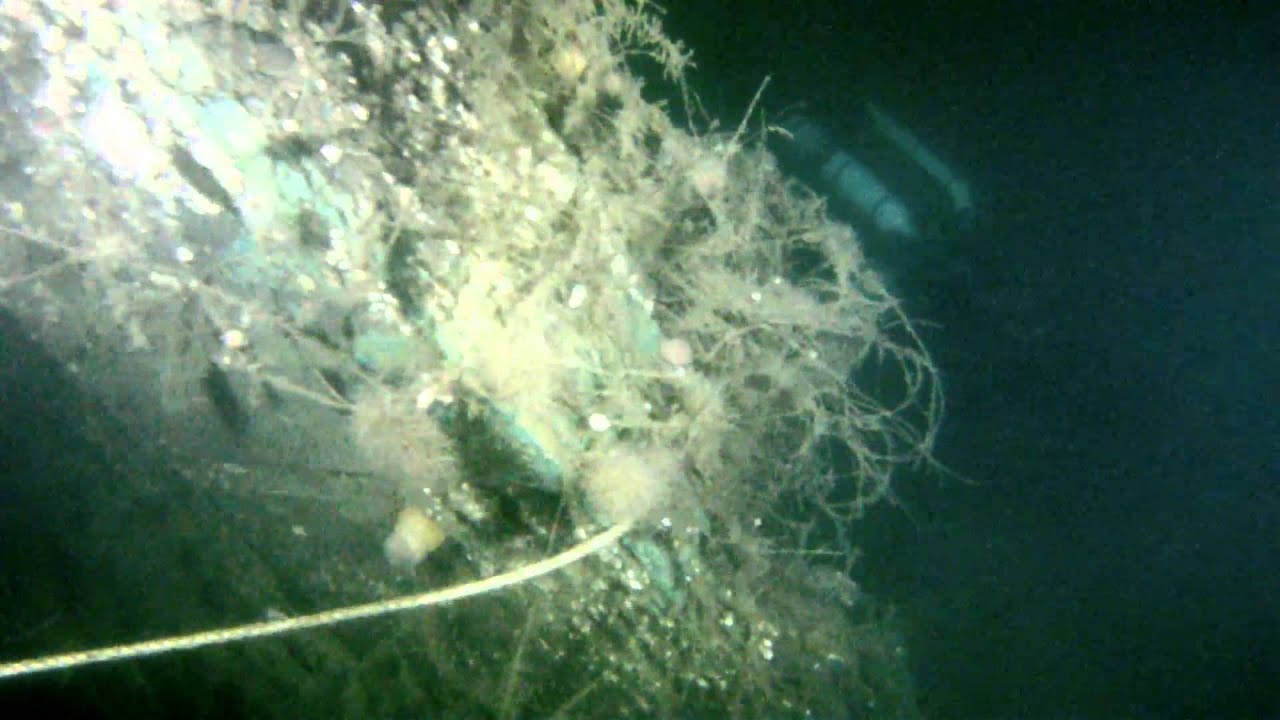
(268, 628)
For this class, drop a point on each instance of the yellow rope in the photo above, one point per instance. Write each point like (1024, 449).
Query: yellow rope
(330, 617)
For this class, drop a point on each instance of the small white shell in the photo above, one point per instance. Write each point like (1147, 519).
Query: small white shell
(676, 351)
(416, 534)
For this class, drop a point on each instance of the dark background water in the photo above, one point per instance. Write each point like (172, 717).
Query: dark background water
(1109, 342)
